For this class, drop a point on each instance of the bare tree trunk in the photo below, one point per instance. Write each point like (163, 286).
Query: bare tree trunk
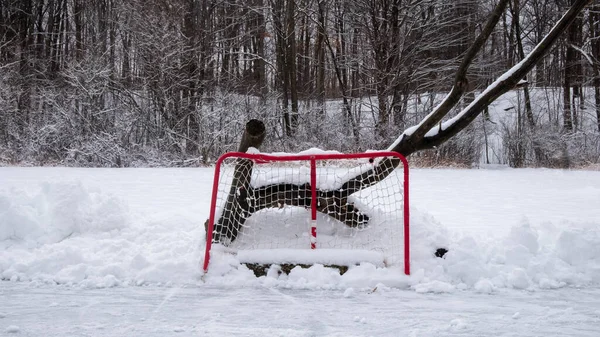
(571, 76)
(567, 116)
(282, 59)
(516, 14)
(594, 17)
(78, 18)
(291, 63)
(234, 214)
(259, 68)
(341, 79)
(528, 110)
(320, 60)
(25, 17)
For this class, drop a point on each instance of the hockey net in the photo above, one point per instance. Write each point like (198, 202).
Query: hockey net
(287, 208)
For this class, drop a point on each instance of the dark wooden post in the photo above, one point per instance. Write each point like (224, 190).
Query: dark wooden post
(236, 210)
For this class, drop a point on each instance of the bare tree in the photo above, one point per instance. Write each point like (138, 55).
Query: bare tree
(594, 25)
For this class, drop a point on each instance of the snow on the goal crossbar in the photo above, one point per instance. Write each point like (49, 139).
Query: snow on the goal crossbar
(307, 152)
(331, 175)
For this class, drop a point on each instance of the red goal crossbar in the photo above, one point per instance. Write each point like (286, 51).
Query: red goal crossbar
(312, 158)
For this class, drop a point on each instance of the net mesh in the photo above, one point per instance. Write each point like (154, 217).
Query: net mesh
(267, 205)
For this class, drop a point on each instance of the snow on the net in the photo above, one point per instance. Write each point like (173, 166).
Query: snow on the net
(328, 176)
(307, 152)
(328, 179)
(85, 236)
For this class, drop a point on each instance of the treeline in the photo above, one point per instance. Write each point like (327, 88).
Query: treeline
(172, 82)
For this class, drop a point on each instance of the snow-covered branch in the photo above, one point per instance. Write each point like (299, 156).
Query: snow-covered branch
(408, 142)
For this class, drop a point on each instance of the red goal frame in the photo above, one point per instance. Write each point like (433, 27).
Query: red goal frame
(312, 158)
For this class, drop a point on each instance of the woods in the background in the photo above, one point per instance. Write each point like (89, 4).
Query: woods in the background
(172, 82)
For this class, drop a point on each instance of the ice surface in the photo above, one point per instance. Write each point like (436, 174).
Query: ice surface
(217, 311)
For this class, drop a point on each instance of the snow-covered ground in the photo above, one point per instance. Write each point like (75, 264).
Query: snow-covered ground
(117, 252)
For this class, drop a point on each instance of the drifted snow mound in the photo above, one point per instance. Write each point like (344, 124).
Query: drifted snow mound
(542, 257)
(69, 234)
(56, 211)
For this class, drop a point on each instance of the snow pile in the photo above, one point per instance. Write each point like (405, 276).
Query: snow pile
(65, 233)
(56, 211)
(527, 258)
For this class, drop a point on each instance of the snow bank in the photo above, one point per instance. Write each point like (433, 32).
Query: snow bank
(545, 257)
(530, 258)
(67, 233)
(56, 211)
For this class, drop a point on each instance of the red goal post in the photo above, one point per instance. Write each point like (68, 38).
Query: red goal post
(246, 184)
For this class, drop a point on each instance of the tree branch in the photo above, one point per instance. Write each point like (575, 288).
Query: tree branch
(503, 84)
(413, 135)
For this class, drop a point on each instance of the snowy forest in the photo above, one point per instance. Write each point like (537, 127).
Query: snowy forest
(120, 83)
